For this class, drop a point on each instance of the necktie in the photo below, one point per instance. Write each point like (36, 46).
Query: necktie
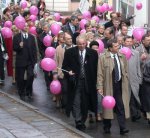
(82, 73)
(73, 29)
(116, 69)
(26, 36)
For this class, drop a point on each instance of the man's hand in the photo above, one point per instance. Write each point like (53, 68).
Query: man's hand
(71, 73)
(100, 92)
(143, 56)
(55, 77)
(21, 44)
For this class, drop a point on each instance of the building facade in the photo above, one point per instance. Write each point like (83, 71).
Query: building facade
(128, 8)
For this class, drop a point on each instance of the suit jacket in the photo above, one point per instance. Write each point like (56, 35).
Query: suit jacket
(134, 73)
(67, 28)
(104, 40)
(71, 62)
(4, 46)
(27, 55)
(108, 24)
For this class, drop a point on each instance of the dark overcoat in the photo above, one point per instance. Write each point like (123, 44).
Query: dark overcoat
(71, 62)
(21, 53)
(145, 88)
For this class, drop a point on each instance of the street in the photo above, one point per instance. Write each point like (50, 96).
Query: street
(42, 99)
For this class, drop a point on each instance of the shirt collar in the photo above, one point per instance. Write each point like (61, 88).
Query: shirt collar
(112, 55)
(83, 52)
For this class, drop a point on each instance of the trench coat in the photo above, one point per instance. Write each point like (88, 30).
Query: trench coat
(105, 83)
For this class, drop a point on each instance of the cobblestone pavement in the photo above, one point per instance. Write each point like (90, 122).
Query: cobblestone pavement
(43, 101)
(20, 120)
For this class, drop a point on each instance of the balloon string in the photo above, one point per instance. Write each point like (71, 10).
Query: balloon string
(102, 95)
(63, 70)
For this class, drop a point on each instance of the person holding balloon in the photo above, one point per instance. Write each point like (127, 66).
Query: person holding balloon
(58, 74)
(26, 58)
(80, 63)
(135, 79)
(112, 80)
(95, 45)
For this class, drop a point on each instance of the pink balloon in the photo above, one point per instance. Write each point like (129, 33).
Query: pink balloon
(138, 33)
(86, 15)
(139, 6)
(33, 10)
(82, 31)
(32, 30)
(57, 16)
(33, 18)
(110, 8)
(96, 18)
(23, 4)
(100, 9)
(55, 28)
(47, 40)
(127, 52)
(50, 52)
(55, 87)
(6, 32)
(101, 46)
(8, 24)
(48, 64)
(108, 102)
(20, 22)
(105, 6)
(82, 23)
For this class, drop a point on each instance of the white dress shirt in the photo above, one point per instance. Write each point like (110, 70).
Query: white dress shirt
(25, 35)
(119, 67)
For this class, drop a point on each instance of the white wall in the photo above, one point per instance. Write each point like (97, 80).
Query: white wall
(59, 5)
(141, 15)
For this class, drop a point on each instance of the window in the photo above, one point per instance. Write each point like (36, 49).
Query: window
(75, 0)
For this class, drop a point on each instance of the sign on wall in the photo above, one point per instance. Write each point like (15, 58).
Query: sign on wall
(84, 6)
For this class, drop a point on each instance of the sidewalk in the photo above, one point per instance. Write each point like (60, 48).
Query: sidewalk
(21, 120)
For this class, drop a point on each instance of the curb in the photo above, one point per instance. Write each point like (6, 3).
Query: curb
(48, 116)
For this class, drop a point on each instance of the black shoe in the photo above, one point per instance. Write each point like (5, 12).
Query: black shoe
(135, 118)
(107, 130)
(91, 120)
(124, 131)
(80, 126)
(22, 98)
(149, 121)
(30, 97)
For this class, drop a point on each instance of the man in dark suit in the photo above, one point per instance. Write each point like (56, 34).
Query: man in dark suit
(2, 53)
(81, 62)
(108, 34)
(72, 27)
(26, 57)
(110, 23)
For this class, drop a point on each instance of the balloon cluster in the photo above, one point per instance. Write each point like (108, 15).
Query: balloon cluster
(49, 64)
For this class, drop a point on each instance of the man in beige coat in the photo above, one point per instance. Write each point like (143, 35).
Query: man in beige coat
(58, 74)
(112, 80)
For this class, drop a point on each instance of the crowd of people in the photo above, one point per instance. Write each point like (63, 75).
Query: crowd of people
(86, 75)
